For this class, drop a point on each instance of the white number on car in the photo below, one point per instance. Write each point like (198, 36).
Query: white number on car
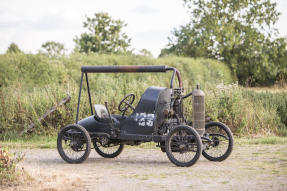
(144, 119)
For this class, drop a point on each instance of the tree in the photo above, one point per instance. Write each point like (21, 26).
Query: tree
(238, 32)
(13, 48)
(145, 52)
(53, 49)
(104, 35)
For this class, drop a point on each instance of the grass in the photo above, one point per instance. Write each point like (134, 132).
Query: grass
(226, 103)
(32, 70)
(30, 142)
(273, 140)
(272, 100)
(50, 142)
(244, 115)
(32, 84)
(271, 89)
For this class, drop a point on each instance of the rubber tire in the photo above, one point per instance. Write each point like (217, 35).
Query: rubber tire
(198, 140)
(230, 145)
(87, 139)
(105, 155)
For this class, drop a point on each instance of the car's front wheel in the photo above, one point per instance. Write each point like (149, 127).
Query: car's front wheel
(183, 146)
(74, 143)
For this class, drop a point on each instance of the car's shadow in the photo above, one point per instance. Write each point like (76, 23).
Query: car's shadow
(104, 161)
(128, 161)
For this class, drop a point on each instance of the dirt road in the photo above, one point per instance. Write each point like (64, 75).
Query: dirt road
(250, 167)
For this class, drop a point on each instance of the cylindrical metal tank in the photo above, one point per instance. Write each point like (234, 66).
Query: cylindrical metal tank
(198, 110)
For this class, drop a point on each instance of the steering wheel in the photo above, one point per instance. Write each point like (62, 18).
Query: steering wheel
(126, 103)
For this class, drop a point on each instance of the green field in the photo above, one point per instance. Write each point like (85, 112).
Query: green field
(32, 84)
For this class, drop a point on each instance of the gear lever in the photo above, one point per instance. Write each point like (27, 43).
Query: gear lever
(106, 104)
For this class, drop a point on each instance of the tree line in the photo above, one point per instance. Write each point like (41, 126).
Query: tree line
(240, 33)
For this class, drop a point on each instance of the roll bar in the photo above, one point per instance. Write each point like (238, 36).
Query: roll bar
(123, 69)
(117, 69)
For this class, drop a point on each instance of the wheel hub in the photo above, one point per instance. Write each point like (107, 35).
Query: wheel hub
(75, 145)
(104, 141)
(215, 141)
(182, 146)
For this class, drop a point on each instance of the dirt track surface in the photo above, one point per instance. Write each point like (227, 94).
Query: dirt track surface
(250, 167)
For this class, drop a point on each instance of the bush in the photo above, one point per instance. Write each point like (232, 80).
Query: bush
(7, 166)
(27, 106)
(40, 70)
(30, 70)
(243, 115)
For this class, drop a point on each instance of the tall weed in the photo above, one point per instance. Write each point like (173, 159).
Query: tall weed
(272, 100)
(244, 116)
(31, 84)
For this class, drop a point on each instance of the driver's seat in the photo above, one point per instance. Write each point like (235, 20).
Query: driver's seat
(101, 114)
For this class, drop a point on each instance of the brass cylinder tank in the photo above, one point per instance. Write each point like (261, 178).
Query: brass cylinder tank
(198, 110)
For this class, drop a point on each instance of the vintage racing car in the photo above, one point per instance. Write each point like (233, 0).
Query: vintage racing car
(157, 117)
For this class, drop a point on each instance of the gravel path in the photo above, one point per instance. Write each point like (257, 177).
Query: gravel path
(250, 167)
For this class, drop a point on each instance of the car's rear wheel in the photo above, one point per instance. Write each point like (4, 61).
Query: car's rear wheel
(106, 149)
(183, 146)
(221, 143)
(74, 143)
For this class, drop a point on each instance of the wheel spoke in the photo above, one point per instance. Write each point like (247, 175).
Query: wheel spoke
(110, 149)
(219, 144)
(73, 145)
(106, 148)
(182, 148)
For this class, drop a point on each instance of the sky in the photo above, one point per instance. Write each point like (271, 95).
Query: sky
(31, 23)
